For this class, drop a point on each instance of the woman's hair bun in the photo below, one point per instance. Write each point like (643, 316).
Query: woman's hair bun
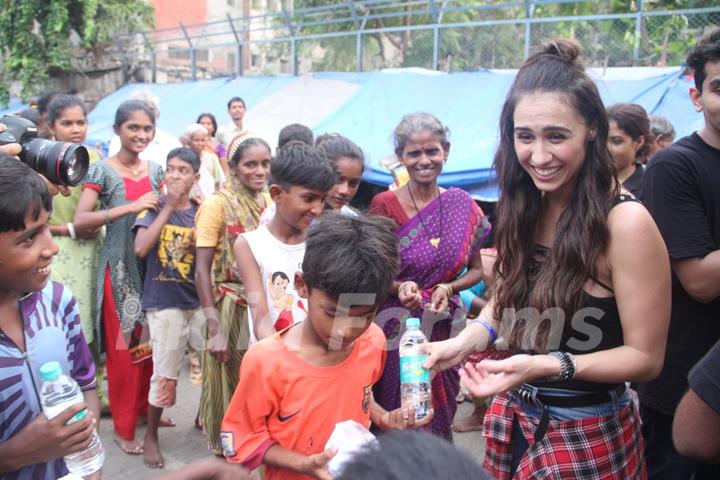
(565, 49)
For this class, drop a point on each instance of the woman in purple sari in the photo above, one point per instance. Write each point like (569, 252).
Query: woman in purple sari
(440, 233)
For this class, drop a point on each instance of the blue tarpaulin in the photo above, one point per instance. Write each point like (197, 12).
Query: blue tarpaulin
(469, 104)
(14, 106)
(181, 103)
(366, 107)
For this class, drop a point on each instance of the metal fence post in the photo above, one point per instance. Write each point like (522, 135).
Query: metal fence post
(360, 44)
(193, 56)
(358, 36)
(293, 37)
(238, 49)
(153, 67)
(153, 57)
(436, 32)
(529, 7)
(638, 31)
(436, 35)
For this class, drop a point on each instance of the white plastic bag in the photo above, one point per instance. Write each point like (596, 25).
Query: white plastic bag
(349, 437)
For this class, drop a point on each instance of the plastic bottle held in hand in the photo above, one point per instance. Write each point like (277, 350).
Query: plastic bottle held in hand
(58, 392)
(414, 379)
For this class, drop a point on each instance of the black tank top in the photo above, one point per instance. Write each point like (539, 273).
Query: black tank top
(598, 314)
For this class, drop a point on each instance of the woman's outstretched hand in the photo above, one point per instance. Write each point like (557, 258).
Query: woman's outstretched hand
(443, 355)
(490, 377)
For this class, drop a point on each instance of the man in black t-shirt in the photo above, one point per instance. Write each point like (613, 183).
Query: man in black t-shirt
(682, 191)
(696, 427)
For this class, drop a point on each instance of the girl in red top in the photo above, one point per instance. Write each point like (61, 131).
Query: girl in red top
(125, 186)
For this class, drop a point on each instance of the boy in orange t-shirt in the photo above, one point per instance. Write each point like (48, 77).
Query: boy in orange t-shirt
(296, 385)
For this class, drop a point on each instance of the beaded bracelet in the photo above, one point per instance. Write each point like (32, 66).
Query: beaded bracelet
(567, 366)
(488, 327)
(107, 216)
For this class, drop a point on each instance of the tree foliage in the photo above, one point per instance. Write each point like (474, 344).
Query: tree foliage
(662, 40)
(39, 38)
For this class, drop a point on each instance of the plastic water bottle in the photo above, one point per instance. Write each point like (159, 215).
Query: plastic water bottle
(414, 379)
(58, 392)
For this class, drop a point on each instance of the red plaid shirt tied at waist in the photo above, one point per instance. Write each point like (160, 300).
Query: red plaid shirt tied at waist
(607, 447)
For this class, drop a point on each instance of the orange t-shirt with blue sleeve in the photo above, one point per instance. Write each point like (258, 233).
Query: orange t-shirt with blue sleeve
(281, 399)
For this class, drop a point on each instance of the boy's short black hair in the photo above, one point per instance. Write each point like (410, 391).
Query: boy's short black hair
(186, 155)
(300, 164)
(347, 254)
(706, 50)
(412, 454)
(295, 131)
(22, 190)
(236, 99)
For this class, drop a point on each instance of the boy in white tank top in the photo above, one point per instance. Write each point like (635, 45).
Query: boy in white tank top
(269, 257)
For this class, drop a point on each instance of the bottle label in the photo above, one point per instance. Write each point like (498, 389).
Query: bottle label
(78, 416)
(412, 371)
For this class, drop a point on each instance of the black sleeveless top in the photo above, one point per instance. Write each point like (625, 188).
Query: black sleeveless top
(595, 327)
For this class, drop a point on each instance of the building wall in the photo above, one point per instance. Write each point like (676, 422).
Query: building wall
(173, 56)
(169, 13)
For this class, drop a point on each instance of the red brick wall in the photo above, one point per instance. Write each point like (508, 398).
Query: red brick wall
(169, 13)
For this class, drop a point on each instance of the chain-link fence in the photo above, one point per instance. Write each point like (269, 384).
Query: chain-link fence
(452, 35)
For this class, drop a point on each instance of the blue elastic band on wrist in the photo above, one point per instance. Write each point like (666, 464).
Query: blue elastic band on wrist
(490, 329)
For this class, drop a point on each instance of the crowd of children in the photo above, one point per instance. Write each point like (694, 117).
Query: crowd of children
(290, 302)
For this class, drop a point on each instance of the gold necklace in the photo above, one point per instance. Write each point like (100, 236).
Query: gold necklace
(135, 171)
(434, 241)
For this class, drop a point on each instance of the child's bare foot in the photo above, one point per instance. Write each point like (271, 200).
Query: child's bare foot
(471, 423)
(152, 456)
(130, 447)
(164, 421)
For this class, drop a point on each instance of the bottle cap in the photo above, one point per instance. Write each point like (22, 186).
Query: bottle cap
(50, 371)
(412, 323)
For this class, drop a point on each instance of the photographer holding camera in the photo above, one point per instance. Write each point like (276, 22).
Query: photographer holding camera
(11, 148)
(15, 149)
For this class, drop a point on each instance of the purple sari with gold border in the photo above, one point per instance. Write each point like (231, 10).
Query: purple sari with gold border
(436, 245)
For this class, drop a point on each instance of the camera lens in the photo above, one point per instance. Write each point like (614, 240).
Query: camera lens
(62, 163)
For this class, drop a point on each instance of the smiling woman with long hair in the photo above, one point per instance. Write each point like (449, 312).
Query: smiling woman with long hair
(583, 309)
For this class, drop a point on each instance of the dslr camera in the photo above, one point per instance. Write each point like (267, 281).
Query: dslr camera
(62, 163)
